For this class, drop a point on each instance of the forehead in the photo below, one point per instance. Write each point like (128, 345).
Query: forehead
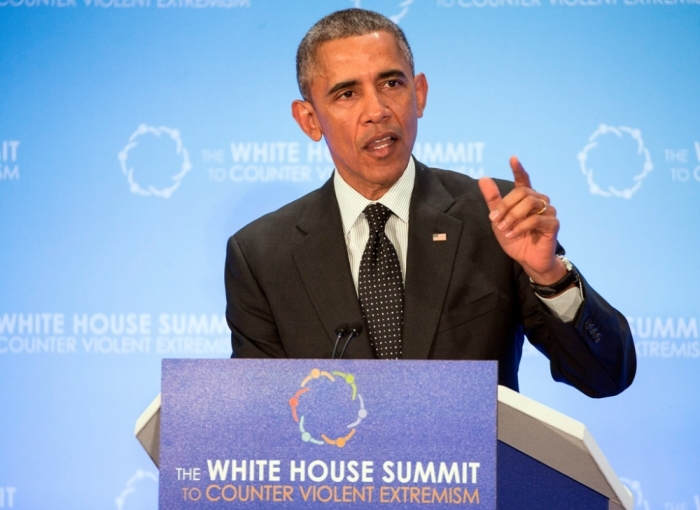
(350, 58)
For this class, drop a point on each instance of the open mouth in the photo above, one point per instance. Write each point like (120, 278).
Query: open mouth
(381, 143)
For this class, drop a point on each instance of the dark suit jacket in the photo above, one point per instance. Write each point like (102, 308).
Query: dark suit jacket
(289, 287)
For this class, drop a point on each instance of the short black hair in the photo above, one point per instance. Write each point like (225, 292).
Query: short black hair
(339, 25)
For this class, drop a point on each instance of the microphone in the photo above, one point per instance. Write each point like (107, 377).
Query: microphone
(340, 332)
(354, 331)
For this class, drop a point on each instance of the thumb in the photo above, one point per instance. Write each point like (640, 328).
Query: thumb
(490, 192)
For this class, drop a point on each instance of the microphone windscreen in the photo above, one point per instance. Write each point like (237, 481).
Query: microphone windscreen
(356, 328)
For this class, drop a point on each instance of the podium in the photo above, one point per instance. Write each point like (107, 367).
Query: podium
(543, 459)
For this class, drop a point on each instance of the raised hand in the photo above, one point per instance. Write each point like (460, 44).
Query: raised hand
(526, 225)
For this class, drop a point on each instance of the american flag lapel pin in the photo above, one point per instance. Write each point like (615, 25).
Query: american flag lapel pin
(440, 237)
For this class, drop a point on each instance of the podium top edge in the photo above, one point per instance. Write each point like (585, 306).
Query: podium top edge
(147, 415)
(542, 413)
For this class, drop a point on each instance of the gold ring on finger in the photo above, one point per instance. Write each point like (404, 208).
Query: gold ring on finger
(544, 207)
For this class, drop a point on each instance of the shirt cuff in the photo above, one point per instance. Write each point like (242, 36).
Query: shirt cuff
(565, 305)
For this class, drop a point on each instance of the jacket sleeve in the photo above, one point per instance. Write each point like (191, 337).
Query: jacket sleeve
(594, 353)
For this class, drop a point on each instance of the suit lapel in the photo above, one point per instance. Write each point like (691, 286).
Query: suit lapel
(429, 263)
(322, 260)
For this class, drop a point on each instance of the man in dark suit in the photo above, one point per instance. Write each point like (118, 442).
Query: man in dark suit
(479, 262)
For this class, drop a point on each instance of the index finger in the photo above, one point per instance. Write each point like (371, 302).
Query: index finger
(520, 176)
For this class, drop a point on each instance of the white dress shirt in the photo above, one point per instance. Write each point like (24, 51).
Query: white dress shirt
(398, 200)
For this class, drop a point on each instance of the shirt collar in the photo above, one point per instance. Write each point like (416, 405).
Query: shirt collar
(398, 198)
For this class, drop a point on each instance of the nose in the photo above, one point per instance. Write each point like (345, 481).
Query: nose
(376, 109)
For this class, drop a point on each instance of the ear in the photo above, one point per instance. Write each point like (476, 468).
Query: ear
(305, 115)
(421, 84)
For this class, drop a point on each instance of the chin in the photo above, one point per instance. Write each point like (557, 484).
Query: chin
(389, 176)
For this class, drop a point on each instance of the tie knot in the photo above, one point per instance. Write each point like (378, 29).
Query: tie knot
(377, 215)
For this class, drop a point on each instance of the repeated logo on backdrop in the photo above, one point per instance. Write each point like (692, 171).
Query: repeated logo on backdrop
(140, 492)
(153, 171)
(615, 161)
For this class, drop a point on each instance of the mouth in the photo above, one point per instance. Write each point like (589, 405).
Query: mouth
(381, 142)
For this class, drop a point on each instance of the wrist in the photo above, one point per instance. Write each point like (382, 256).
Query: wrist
(558, 271)
(565, 280)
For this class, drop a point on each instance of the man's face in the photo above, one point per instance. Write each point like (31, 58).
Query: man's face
(366, 104)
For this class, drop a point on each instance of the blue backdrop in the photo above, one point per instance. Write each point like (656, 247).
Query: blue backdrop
(137, 135)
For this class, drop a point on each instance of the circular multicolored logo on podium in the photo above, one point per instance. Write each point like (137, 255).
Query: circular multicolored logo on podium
(310, 388)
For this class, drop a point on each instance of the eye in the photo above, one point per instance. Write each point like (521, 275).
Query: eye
(393, 83)
(348, 94)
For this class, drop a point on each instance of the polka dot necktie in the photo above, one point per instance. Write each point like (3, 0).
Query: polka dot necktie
(381, 286)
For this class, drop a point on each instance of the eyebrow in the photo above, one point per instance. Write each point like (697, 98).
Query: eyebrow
(391, 73)
(342, 85)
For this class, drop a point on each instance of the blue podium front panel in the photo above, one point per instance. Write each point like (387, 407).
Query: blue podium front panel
(313, 433)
